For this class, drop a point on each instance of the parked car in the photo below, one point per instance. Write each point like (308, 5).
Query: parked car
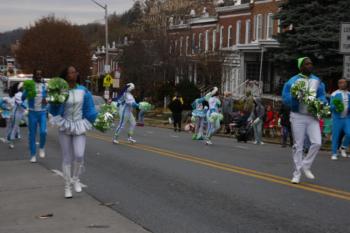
(98, 101)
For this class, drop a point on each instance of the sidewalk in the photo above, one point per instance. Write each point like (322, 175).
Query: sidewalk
(28, 191)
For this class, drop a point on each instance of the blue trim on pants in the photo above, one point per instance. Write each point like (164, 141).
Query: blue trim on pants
(36, 118)
(339, 125)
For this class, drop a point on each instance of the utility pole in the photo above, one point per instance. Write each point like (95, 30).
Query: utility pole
(105, 7)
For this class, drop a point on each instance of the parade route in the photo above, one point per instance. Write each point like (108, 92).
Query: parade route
(168, 183)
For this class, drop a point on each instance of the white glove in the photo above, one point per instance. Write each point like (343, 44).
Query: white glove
(213, 92)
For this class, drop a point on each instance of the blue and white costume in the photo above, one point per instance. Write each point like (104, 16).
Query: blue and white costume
(6, 108)
(37, 116)
(199, 115)
(340, 122)
(304, 124)
(16, 118)
(73, 119)
(126, 103)
(214, 104)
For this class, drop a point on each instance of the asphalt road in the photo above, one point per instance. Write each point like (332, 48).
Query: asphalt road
(168, 183)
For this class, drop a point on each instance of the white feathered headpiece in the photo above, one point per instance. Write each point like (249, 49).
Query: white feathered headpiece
(131, 87)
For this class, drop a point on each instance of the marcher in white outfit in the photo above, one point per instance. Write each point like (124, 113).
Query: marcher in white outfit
(340, 120)
(6, 111)
(17, 116)
(126, 103)
(73, 119)
(214, 105)
(303, 123)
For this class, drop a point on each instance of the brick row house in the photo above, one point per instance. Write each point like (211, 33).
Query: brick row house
(230, 46)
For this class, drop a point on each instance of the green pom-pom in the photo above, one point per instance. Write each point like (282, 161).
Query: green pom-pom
(339, 106)
(57, 90)
(145, 106)
(105, 118)
(29, 88)
(193, 119)
(216, 117)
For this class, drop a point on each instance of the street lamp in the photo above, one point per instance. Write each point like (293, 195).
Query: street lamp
(105, 7)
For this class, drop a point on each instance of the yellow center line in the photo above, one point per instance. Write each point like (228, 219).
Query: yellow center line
(235, 169)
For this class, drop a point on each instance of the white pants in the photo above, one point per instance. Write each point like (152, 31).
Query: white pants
(72, 147)
(302, 126)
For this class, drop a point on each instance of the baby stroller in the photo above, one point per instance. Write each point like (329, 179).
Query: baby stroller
(243, 128)
(244, 133)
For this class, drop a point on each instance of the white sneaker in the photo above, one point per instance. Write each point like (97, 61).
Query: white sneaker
(33, 159)
(296, 180)
(11, 146)
(334, 157)
(131, 140)
(115, 141)
(255, 142)
(42, 153)
(343, 152)
(3, 140)
(208, 142)
(261, 143)
(77, 185)
(68, 191)
(308, 174)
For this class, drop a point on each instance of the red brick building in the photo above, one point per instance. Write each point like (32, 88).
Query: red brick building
(234, 42)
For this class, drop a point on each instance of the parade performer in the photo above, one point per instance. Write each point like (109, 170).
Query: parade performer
(17, 115)
(6, 110)
(35, 94)
(213, 115)
(199, 115)
(73, 119)
(340, 119)
(303, 121)
(126, 103)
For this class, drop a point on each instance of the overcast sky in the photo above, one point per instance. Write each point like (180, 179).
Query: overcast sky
(22, 13)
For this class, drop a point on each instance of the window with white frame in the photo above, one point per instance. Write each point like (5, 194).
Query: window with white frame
(247, 31)
(214, 40)
(206, 40)
(238, 31)
(229, 36)
(187, 44)
(255, 28)
(200, 41)
(181, 45)
(175, 47)
(278, 26)
(269, 26)
(258, 27)
(221, 36)
(193, 42)
(171, 47)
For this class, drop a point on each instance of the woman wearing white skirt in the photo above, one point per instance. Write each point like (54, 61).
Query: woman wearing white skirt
(73, 118)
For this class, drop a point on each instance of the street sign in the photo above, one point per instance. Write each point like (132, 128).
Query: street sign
(107, 68)
(346, 72)
(345, 38)
(107, 81)
(116, 82)
(106, 94)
